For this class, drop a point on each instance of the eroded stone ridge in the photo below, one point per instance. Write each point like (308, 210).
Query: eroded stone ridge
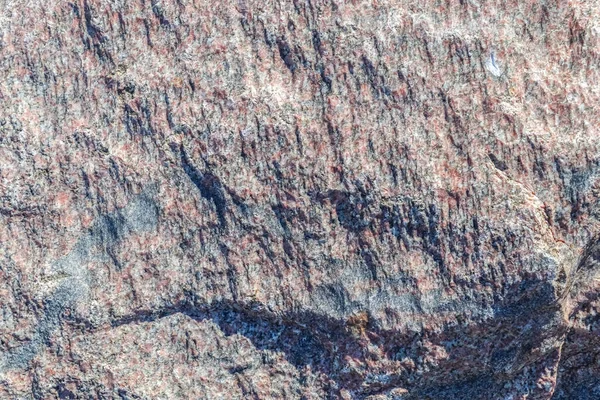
(304, 199)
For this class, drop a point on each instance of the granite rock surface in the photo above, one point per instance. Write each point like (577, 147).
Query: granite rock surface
(299, 199)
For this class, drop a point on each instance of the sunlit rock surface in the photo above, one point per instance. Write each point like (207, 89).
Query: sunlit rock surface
(300, 199)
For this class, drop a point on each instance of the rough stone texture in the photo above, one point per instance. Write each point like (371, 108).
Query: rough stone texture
(299, 199)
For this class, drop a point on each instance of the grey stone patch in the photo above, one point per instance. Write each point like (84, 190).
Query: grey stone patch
(63, 298)
(140, 215)
(72, 262)
(22, 356)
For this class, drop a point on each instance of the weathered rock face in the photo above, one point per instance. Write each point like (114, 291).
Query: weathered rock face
(303, 199)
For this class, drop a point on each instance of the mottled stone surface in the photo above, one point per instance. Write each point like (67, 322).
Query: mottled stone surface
(299, 199)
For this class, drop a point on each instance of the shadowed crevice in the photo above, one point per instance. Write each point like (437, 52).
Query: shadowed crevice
(209, 186)
(498, 349)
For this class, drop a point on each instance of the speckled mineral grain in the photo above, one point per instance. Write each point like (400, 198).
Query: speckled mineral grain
(299, 199)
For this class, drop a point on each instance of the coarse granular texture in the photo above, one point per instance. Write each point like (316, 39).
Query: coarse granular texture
(300, 199)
